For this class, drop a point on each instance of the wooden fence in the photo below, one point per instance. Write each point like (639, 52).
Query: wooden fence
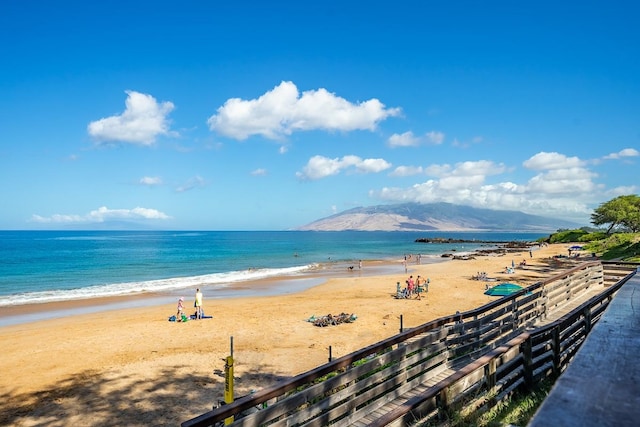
(475, 359)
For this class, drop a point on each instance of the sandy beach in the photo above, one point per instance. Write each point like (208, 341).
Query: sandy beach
(133, 367)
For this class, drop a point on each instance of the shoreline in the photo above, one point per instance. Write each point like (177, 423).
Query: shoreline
(131, 366)
(269, 286)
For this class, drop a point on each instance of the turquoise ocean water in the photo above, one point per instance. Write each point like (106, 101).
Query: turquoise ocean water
(47, 266)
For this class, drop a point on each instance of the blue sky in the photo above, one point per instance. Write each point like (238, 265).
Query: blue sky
(251, 115)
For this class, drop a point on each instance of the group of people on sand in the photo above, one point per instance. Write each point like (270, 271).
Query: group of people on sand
(181, 317)
(414, 287)
(481, 275)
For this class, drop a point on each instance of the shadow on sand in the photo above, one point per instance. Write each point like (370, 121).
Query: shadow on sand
(92, 399)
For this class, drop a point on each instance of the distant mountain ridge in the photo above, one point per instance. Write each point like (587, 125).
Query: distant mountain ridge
(435, 217)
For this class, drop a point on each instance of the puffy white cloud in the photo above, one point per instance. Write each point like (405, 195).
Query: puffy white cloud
(627, 152)
(103, 214)
(372, 165)
(438, 170)
(563, 181)
(407, 171)
(546, 161)
(141, 122)
(320, 167)
(466, 169)
(283, 110)
(457, 182)
(481, 167)
(408, 139)
(564, 187)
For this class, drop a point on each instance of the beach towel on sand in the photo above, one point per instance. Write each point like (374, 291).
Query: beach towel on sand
(193, 317)
(183, 319)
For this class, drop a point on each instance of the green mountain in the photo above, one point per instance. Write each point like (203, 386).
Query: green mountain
(435, 217)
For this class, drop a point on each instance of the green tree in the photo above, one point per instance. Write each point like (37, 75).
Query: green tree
(621, 212)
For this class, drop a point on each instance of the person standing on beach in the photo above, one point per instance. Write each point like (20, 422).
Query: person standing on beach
(198, 304)
(411, 285)
(180, 309)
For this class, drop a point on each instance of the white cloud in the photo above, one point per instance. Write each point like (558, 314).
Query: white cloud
(372, 165)
(141, 123)
(150, 180)
(320, 167)
(408, 139)
(546, 161)
(195, 182)
(627, 152)
(562, 181)
(103, 214)
(407, 171)
(480, 167)
(563, 187)
(435, 137)
(282, 111)
(438, 170)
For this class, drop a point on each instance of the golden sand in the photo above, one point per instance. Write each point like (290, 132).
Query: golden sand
(133, 367)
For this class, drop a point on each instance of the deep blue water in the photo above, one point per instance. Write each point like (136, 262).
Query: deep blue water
(42, 266)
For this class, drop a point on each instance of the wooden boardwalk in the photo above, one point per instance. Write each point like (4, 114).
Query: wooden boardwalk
(506, 343)
(554, 314)
(559, 311)
(601, 386)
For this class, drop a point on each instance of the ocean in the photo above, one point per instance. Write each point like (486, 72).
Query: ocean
(50, 266)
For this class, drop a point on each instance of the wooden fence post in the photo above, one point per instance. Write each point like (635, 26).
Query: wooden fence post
(587, 320)
(526, 348)
(490, 373)
(556, 344)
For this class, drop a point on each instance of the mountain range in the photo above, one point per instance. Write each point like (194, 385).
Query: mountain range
(435, 217)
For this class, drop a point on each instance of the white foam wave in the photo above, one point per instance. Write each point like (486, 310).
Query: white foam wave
(121, 289)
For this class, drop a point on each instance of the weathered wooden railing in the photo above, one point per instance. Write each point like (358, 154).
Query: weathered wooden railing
(434, 365)
(525, 360)
(600, 386)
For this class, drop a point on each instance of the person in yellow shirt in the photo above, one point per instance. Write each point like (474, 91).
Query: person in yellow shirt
(198, 304)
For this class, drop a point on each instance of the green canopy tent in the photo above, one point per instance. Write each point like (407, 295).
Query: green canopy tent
(503, 289)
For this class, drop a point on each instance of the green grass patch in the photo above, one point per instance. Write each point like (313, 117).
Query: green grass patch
(616, 246)
(517, 410)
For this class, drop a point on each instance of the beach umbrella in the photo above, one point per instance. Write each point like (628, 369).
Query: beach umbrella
(503, 289)
(576, 248)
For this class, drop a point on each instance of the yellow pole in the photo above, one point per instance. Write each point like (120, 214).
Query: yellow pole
(228, 382)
